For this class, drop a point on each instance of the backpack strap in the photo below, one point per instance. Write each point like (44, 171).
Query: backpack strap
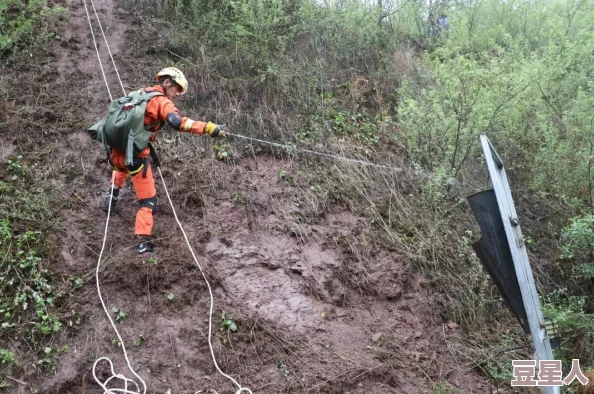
(143, 97)
(102, 138)
(150, 95)
(130, 148)
(107, 149)
(150, 126)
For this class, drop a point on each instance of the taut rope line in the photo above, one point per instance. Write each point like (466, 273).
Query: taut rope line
(289, 147)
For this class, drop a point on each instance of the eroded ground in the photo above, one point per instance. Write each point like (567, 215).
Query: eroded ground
(310, 316)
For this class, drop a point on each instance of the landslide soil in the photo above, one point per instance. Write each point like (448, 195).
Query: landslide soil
(303, 325)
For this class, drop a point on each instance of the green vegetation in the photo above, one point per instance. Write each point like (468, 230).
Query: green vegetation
(24, 284)
(28, 296)
(444, 388)
(7, 360)
(119, 313)
(21, 23)
(370, 79)
(227, 326)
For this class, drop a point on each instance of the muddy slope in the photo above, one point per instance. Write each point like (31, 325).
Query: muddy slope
(301, 324)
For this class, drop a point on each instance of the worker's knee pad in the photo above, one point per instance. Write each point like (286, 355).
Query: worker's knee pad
(150, 203)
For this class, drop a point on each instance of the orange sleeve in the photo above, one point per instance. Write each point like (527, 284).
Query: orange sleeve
(167, 110)
(192, 126)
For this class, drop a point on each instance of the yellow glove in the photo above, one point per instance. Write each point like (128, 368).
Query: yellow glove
(214, 130)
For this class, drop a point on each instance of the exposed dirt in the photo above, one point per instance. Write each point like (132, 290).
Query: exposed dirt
(302, 325)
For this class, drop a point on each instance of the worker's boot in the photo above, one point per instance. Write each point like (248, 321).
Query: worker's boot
(145, 245)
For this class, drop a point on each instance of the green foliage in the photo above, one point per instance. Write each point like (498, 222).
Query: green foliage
(22, 199)
(282, 174)
(521, 74)
(228, 327)
(20, 20)
(76, 281)
(444, 388)
(256, 30)
(356, 125)
(239, 199)
(577, 246)
(48, 360)
(578, 237)
(26, 294)
(348, 30)
(119, 313)
(222, 150)
(444, 113)
(7, 359)
(435, 192)
(501, 371)
(260, 34)
(568, 311)
(570, 314)
(227, 324)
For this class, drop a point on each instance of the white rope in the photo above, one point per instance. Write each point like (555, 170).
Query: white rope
(113, 374)
(118, 377)
(108, 49)
(104, 385)
(289, 147)
(241, 389)
(97, 49)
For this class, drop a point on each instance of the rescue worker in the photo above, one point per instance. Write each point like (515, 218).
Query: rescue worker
(159, 110)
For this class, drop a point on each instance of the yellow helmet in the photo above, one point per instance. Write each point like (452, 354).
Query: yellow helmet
(177, 76)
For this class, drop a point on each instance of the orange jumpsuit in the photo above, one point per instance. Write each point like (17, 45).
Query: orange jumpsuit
(159, 110)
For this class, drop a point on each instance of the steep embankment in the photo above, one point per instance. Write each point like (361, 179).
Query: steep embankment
(302, 326)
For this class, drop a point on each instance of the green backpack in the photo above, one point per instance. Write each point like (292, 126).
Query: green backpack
(123, 127)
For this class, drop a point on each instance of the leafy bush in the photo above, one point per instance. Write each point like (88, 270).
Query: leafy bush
(7, 359)
(577, 249)
(19, 22)
(27, 296)
(575, 325)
